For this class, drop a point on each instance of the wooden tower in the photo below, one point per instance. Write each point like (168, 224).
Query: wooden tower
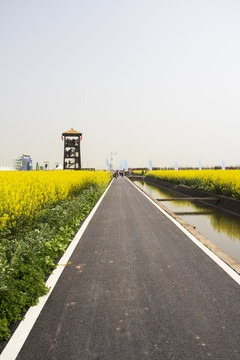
(72, 153)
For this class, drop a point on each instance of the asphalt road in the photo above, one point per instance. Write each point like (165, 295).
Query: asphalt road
(137, 288)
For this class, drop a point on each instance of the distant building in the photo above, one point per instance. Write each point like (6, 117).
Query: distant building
(72, 153)
(24, 163)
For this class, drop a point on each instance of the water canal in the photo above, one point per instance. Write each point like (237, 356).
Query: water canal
(219, 226)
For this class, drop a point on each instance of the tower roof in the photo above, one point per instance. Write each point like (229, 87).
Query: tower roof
(72, 132)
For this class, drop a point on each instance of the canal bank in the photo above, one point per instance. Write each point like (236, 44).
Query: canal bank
(220, 212)
(221, 202)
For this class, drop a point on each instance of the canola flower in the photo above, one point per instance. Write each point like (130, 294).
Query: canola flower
(139, 172)
(221, 182)
(24, 194)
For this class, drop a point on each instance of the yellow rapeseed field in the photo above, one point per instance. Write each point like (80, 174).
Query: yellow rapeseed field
(24, 194)
(139, 172)
(223, 182)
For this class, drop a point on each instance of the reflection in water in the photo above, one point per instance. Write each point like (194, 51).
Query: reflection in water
(192, 213)
(221, 222)
(221, 227)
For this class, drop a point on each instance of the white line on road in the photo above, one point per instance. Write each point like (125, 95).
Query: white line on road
(17, 340)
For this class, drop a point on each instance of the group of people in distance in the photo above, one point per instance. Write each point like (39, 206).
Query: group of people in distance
(117, 173)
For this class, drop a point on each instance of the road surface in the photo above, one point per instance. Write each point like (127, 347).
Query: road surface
(137, 288)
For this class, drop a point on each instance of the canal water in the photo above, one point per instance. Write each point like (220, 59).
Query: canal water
(219, 226)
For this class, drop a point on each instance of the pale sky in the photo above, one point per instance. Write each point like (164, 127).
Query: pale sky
(148, 79)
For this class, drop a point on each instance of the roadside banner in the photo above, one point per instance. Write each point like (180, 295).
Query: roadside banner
(120, 165)
(125, 165)
(223, 165)
(199, 165)
(108, 165)
(150, 165)
(176, 166)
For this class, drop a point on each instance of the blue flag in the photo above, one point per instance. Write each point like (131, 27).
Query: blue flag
(150, 165)
(107, 163)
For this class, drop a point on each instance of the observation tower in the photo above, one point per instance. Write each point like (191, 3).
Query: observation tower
(72, 153)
